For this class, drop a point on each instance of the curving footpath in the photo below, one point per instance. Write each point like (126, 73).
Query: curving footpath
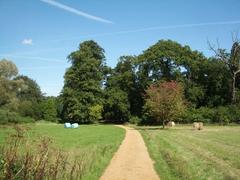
(131, 161)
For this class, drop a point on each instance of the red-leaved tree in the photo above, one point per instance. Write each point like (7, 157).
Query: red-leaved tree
(164, 101)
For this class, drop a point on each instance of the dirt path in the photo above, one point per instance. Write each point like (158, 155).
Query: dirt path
(131, 161)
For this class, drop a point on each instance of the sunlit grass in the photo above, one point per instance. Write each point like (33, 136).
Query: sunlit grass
(96, 142)
(184, 153)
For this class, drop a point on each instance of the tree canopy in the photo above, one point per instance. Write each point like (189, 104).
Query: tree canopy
(83, 82)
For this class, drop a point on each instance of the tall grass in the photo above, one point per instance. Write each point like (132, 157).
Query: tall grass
(23, 159)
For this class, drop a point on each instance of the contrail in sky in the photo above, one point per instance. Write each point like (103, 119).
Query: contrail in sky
(76, 11)
(154, 28)
(36, 58)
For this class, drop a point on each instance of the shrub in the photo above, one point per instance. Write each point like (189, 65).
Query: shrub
(29, 109)
(222, 115)
(191, 115)
(95, 113)
(12, 117)
(234, 113)
(135, 120)
(202, 114)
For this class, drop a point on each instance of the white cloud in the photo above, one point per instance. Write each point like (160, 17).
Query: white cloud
(75, 11)
(27, 42)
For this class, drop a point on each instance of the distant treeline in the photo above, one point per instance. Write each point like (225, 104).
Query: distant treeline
(94, 92)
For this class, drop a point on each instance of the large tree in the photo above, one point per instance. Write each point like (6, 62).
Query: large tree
(30, 96)
(169, 60)
(83, 82)
(29, 90)
(232, 60)
(8, 86)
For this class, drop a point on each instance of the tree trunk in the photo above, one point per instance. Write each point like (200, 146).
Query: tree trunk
(233, 88)
(163, 124)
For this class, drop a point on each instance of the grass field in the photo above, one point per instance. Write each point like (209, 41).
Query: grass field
(184, 153)
(98, 142)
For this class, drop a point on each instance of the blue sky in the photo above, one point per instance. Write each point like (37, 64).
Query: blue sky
(38, 35)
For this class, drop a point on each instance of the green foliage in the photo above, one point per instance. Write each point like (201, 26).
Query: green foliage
(83, 82)
(8, 91)
(30, 109)
(30, 97)
(7, 116)
(95, 113)
(18, 94)
(203, 114)
(135, 120)
(116, 106)
(232, 61)
(123, 77)
(29, 89)
(222, 115)
(49, 109)
(8, 69)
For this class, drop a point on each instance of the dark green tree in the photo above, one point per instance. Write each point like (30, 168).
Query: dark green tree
(116, 106)
(123, 77)
(83, 82)
(29, 90)
(49, 109)
(30, 97)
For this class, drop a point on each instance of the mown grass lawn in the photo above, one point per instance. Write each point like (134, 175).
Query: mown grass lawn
(184, 153)
(99, 142)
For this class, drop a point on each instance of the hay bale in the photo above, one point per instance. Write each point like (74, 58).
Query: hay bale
(171, 124)
(67, 125)
(75, 125)
(198, 125)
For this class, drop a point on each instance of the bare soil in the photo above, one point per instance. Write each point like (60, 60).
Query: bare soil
(131, 161)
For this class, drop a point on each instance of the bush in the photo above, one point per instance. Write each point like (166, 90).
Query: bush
(12, 117)
(203, 114)
(135, 120)
(234, 113)
(29, 109)
(222, 115)
(95, 113)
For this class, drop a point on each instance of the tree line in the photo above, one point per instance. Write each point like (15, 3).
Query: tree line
(167, 81)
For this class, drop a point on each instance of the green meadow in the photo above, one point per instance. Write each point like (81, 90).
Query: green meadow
(96, 142)
(184, 153)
